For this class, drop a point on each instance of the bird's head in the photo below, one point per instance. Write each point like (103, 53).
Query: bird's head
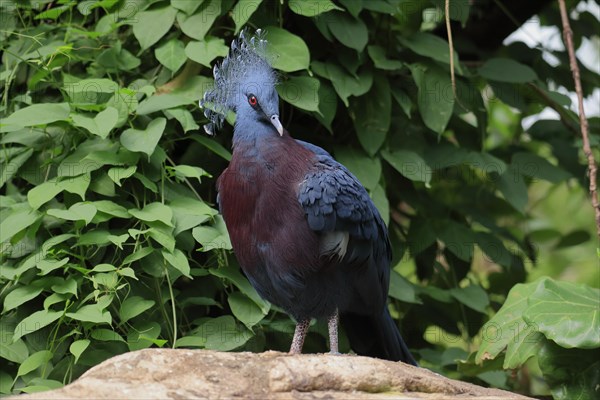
(244, 83)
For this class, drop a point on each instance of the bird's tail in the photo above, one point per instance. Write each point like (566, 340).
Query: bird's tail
(376, 336)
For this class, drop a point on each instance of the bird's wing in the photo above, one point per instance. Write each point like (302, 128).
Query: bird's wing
(335, 201)
(352, 234)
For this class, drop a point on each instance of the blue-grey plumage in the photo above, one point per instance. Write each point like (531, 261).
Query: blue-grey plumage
(303, 228)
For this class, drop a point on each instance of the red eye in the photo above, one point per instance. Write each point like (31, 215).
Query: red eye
(252, 100)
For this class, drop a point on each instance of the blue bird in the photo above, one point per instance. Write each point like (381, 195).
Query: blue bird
(303, 228)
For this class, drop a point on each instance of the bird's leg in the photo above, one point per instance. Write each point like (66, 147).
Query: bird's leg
(332, 325)
(299, 336)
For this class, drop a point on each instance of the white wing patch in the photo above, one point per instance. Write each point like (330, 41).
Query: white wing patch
(334, 244)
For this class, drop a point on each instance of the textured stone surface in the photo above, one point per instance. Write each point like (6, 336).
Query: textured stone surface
(201, 374)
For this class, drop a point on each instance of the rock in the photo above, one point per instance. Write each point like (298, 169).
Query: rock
(201, 374)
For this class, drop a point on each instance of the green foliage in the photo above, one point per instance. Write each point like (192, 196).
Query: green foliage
(555, 321)
(111, 240)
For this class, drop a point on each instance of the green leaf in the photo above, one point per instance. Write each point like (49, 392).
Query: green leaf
(191, 341)
(125, 101)
(6, 382)
(67, 286)
(91, 313)
(213, 146)
(34, 361)
(78, 347)
(205, 51)
(18, 218)
(377, 54)
(178, 260)
(163, 234)
(537, 167)
(116, 174)
(111, 208)
(300, 91)
(189, 213)
(77, 184)
(472, 296)
(53, 13)
(144, 141)
(138, 255)
(48, 265)
(287, 51)
(35, 322)
(507, 70)
(10, 168)
(187, 6)
(101, 124)
(372, 115)
(327, 105)
(566, 313)
(573, 238)
(402, 99)
(435, 100)
(90, 91)
(484, 162)
(351, 32)
(402, 289)
(507, 329)
(222, 334)
(493, 248)
(234, 276)
(213, 237)
(21, 295)
(459, 239)
(354, 7)
(366, 169)
(144, 335)
(409, 164)
(160, 102)
(150, 26)
(87, 6)
(244, 309)
(43, 193)
(513, 188)
(15, 351)
(432, 46)
(77, 212)
(242, 12)
(198, 24)
(134, 306)
(171, 54)
(346, 85)
(154, 212)
(570, 373)
(311, 8)
(38, 114)
(187, 171)
(184, 117)
(106, 335)
(381, 202)
(459, 9)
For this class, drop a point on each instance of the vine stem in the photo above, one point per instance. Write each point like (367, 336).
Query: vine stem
(451, 52)
(173, 309)
(587, 150)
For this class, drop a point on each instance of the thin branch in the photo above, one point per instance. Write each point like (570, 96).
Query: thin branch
(587, 150)
(451, 53)
(565, 118)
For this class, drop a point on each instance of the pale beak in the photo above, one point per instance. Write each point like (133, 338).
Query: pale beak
(277, 124)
